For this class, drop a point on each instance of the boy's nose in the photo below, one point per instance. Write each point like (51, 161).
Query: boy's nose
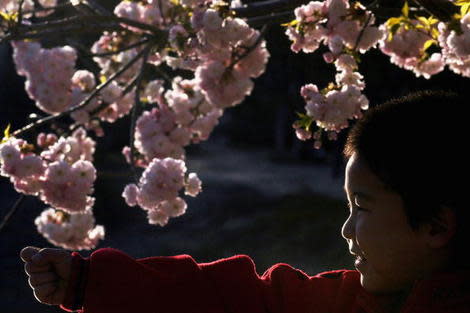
(347, 231)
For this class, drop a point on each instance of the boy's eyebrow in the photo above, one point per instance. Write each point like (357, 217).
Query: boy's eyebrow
(359, 194)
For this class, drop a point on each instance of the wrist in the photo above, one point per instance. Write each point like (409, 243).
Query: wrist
(75, 286)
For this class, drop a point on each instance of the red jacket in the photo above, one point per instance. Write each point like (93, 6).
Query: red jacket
(111, 281)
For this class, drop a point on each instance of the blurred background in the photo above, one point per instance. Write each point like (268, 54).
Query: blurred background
(265, 193)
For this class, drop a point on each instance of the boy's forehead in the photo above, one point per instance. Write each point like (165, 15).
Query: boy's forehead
(360, 180)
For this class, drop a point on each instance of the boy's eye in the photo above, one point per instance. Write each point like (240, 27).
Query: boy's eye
(358, 208)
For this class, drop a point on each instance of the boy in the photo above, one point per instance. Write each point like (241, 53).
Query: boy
(407, 229)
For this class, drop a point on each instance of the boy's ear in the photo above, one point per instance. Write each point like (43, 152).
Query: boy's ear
(442, 228)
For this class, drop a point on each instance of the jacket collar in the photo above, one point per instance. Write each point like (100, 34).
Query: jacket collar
(446, 292)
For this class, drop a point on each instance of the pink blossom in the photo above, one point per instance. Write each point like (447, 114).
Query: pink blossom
(193, 185)
(333, 110)
(174, 208)
(431, 66)
(454, 46)
(130, 194)
(48, 72)
(70, 231)
(157, 217)
(303, 134)
(253, 64)
(406, 46)
(223, 87)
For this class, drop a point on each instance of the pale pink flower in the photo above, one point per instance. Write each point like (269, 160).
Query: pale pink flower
(303, 134)
(130, 194)
(70, 231)
(193, 185)
(431, 66)
(157, 217)
(173, 208)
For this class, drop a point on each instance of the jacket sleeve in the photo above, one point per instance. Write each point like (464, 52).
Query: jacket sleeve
(118, 283)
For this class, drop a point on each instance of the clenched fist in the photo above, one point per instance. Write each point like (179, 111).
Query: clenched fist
(48, 271)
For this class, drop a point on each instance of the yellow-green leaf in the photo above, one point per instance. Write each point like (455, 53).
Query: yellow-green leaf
(432, 20)
(464, 9)
(406, 9)
(424, 21)
(291, 23)
(393, 21)
(428, 44)
(9, 17)
(6, 134)
(103, 79)
(461, 2)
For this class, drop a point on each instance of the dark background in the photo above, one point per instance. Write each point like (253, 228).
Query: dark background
(238, 211)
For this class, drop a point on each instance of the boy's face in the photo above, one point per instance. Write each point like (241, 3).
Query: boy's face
(390, 254)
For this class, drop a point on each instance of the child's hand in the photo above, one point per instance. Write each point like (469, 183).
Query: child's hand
(48, 271)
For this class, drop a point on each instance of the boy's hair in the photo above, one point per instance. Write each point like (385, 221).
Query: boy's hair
(416, 146)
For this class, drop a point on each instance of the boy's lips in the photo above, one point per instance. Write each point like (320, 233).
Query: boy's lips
(360, 259)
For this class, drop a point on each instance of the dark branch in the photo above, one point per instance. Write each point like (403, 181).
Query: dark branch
(442, 9)
(10, 213)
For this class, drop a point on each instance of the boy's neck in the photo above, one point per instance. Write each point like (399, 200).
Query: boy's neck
(392, 303)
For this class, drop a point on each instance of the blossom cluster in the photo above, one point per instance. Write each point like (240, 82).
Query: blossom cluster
(456, 46)
(184, 116)
(223, 52)
(348, 29)
(345, 29)
(70, 231)
(62, 175)
(158, 189)
(335, 23)
(48, 74)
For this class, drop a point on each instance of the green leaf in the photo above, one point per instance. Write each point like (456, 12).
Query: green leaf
(406, 9)
(424, 21)
(464, 9)
(6, 134)
(291, 23)
(9, 17)
(461, 2)
(428, 44)
(393, 21)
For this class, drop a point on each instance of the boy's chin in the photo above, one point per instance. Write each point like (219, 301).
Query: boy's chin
(376, 286)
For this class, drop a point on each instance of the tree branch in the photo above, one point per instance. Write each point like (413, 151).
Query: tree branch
(12, 211)
(262, 8)
(134, 114)
(442, 9)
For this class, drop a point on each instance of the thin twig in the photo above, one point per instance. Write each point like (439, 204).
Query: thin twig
(135, 110)
(62, 31)
(129, 86)
(82, 104)
(20, 12)
(105, 54)
(90, 21)
(442, 9)
(95, 7)
(261, 8)
(361, 33)
(10, 213)
(57, 7)
(271, 18)
(249, 49)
